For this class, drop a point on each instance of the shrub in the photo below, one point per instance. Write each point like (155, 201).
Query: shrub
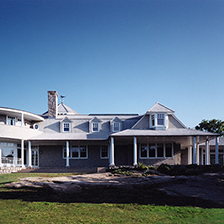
(164, 168)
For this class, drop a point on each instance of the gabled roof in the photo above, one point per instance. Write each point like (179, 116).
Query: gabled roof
(64, 109)
(116, 119)
(95, 119)
(66, 120)
(159, 108)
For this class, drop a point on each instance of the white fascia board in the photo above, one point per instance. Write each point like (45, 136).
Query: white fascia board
(15, 112)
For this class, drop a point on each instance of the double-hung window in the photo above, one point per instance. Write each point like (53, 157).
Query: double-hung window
(66, 127)
(104, 152)
(95, 126)
(160, 119)
(116, 126)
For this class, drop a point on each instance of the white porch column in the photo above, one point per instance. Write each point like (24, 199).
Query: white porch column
(29, 154)
(217, 150)
(202, 157)
(189, 155)
(112, 152)
(67, 153)
(22, 119)
(207, 153)
(0, 157)
(197, 154)
(22, 153)
(194, 150)
(135, 152)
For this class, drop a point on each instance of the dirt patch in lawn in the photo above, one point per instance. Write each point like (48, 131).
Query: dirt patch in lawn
(202, 191)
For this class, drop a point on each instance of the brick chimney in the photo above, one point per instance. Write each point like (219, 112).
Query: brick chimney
(52, 103)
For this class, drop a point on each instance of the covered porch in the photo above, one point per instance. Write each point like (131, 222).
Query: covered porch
(153, 147)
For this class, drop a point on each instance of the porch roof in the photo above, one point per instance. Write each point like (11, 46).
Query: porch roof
(70, 136)
(183, 132)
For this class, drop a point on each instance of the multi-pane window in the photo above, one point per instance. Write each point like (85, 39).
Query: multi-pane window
(156, 150)
(95, 126)
(160, 119)
(76, 152)
(104, 152)
(66, 127)
(83, 151)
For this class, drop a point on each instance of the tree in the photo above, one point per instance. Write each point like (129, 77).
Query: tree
(214, 126)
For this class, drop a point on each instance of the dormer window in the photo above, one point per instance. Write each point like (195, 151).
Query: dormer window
(116, 126)
(160, 119)
(95, 127)
(66, 125)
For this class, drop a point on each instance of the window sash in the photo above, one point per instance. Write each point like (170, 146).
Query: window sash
(66, 127)
(104, 154)
(95, 126)
(160, 119)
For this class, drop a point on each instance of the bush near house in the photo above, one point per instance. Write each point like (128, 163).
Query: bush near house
(173, 170)
(192, 169)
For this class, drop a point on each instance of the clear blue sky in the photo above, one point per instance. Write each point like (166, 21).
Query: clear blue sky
(114, 56)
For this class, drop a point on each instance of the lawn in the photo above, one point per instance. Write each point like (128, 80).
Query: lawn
(38, 206)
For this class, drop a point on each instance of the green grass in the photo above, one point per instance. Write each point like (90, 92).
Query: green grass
(24, 211)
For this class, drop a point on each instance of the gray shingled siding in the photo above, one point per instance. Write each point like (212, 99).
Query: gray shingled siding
(123, 155)
(173, 123)
(184, 156)
(143, 124)
(52, 156)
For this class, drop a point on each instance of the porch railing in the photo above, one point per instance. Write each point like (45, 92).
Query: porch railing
(17, 161)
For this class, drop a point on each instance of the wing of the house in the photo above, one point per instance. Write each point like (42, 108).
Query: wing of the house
(61, 137)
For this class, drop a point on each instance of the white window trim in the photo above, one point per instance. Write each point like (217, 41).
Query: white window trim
(119, 129)
(101, 147)
(70, 152)
(156, 152)
(69, 126)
